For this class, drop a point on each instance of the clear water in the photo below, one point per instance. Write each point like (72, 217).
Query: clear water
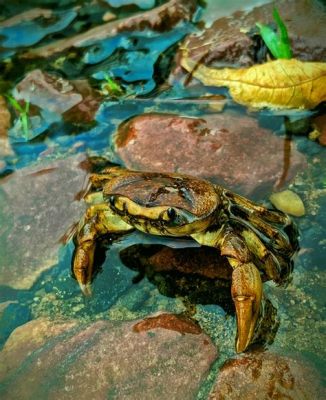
(54, 293)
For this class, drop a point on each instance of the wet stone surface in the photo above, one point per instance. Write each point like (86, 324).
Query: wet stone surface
(265, 376)
(223, 148)
(165, 358)
(38, 205)
(47, 92)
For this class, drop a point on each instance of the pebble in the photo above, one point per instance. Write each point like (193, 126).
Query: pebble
(288, 202)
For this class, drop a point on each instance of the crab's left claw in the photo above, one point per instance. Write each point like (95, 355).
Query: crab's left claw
(246, 292)
(83, 260)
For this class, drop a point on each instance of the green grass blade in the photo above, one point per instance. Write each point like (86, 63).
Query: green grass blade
(277, 43)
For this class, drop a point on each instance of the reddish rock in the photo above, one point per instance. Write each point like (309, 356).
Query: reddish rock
(104, 359)
(84, 112)
(168, 321)
(227, 40)
(226, 149)
(47, 92)
(265, 376)
(319, 123)
(37, 207)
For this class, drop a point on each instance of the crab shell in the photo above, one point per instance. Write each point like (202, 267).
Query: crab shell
(252, 237)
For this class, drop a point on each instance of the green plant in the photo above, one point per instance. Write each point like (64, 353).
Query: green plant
(23, 114)
(277, 42)
(111, 87)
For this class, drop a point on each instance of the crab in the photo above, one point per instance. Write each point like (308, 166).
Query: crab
(256, 241)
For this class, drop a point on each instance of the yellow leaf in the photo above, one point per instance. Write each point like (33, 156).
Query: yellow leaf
(275, 84)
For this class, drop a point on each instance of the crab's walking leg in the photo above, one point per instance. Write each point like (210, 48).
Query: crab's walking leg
(98, 221)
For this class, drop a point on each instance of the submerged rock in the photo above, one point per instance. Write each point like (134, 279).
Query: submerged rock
(144, 4)
(47, 92)
(38, 206)
(162, 357)
(32, 26)
(265, 376)
(319, 123)
(160, 18)
(223, 148)
(288, 202)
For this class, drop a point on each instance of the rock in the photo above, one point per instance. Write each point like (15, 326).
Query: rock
(227, 41)
(162, 357)
(144, 4)
(83, 112)
(319, 123)
(288, 202)
(265, 376)
(47, 92)
(160, 18)
(32, 26)
(37, 207)
(4, 118)
(223, 148)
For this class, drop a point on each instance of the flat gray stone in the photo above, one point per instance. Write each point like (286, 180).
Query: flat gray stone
(38, 205)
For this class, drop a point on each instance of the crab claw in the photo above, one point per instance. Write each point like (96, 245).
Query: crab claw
(246, 292)
(83, 266)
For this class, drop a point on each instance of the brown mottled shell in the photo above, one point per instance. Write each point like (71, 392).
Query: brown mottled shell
(150, 189)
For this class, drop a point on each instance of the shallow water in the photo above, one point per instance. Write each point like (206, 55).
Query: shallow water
(37, 281)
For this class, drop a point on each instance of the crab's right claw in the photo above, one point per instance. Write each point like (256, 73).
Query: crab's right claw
(247, 292)
(83, 261)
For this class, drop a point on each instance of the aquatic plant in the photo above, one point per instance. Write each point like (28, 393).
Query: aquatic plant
(277, 42)
(23, 114)
(110, 87)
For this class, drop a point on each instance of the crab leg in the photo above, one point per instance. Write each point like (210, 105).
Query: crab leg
(246, 289)
(98, 221)
(249, 207)
(264, 220)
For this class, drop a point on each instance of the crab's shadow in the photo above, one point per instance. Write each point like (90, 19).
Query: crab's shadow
(197, 275)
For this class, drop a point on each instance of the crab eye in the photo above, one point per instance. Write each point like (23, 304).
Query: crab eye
(171, 213)
(112, 201)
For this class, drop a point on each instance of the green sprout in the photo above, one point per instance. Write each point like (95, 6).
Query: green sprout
(278, 43)
(23, 114)
(111, 87)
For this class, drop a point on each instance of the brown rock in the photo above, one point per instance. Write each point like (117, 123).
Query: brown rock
(159, 18)
(225, 149)
(319, 123)
(104, 359)
(265, 376)
(4, 118)
(227, 41)
(168, 321)
(37, 206)
(83, 112)
(47, 92)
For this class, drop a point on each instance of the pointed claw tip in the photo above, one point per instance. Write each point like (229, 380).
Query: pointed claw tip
(241, 345)
(86, 289)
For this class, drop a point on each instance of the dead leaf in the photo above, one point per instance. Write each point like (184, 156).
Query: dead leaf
(275, 84)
